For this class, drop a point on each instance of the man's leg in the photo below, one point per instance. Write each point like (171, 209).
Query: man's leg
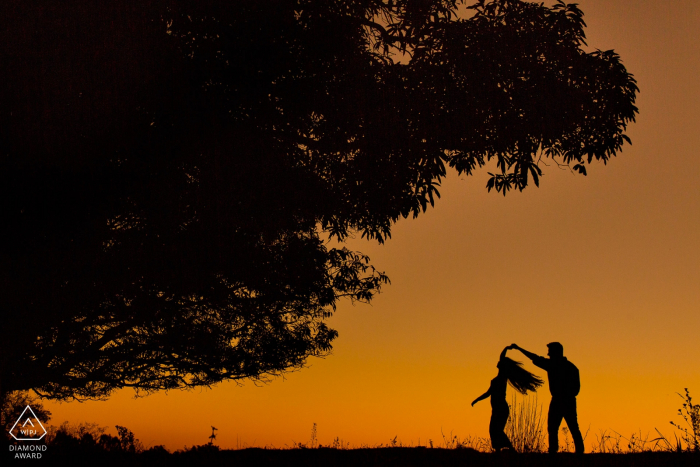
(572, 422)
(553, 421)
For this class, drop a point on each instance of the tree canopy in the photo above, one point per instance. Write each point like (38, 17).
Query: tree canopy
(172, 170)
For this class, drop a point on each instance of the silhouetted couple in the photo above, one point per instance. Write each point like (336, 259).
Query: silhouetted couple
(564, 384)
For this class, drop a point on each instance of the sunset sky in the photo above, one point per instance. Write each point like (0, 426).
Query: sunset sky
(608, 265)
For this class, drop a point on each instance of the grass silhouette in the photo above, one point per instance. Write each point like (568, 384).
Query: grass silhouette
(526, 429)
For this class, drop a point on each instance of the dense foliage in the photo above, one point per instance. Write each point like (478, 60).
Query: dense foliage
(172, 170)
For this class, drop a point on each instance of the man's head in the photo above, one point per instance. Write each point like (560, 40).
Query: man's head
(556, 350)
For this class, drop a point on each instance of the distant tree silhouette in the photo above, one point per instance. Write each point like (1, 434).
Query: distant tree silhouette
(171, 170)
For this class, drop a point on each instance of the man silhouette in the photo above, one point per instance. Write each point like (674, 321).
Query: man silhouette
(564, 385)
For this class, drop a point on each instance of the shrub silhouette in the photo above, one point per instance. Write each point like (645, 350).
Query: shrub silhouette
(526, 426)
(90, 437)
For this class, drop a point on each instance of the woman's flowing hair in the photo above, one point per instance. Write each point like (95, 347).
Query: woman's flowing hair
(518, 377)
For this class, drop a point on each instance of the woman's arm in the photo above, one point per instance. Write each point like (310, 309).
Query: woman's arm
(482, 397)
(503, 354)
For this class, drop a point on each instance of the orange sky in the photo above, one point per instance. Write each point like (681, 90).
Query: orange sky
(607, 264)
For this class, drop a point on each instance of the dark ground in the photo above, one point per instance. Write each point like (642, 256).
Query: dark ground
(379, 457)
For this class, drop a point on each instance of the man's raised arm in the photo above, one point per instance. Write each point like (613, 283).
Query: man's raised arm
(529, 355)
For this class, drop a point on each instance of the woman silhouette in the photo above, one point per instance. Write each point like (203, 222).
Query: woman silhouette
(509, 371)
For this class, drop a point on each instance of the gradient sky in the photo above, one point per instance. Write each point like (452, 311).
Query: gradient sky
(608, 264)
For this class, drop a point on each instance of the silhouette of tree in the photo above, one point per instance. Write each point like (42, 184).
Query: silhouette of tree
(171, 169)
